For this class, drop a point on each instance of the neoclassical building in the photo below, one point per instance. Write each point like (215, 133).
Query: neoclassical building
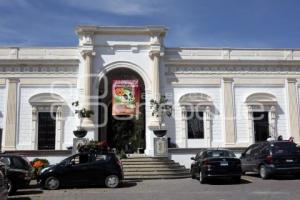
(221, 97)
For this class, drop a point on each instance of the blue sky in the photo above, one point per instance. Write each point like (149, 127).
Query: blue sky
(191, 23)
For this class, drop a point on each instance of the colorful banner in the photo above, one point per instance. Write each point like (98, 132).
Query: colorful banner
(126, 97)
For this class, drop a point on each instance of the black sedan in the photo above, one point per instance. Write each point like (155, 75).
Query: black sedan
(18, 172)
(216, 163)
(83, 169)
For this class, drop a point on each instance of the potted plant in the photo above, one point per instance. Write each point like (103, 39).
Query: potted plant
(37, 165)
(94, 146)
(82, 113)
(160, 109)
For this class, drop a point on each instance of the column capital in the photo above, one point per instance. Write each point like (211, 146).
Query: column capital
(155, 53)
(87, 38)
(227, 80)
(13, 80)
(291, 80)
(87, 52)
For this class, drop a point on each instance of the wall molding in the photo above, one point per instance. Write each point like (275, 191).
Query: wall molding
(222, 70)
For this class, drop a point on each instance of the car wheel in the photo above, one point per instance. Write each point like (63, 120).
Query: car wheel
(11, 188)
(264, 174)
(202, 177)
(52, 183)
(112, 181)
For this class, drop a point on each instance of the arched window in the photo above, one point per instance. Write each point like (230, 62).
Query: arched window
(47, 121)
(196, 119)
(261, 116)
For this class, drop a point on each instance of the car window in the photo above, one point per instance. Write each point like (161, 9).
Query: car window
(284, 148)
(99, 157)
(250, 149)
(80, 159)
(265, 150)
(5, 160)
(256, 149)
(220, 153)
(17, 163)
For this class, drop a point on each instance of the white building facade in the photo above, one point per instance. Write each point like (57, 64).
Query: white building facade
(240, 95)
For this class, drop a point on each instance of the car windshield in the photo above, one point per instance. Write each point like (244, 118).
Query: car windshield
(219, 153)
(284, 148)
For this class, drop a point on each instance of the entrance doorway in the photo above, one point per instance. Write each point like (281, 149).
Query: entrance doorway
(122, 132)
(46, 131)
(261, 126)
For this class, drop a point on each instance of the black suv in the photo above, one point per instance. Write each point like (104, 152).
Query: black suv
(18, 171)
(3, 185)
(270, 158)
(83, 168)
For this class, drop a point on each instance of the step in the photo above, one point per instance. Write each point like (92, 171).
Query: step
(145, 160)
(137, 156)
(152, 166)
(156, 177)
(148, 163)
(153, 169)
(156, 173)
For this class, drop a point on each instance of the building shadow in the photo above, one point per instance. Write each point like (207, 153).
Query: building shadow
(27, 192)
(277, 177)
(226, 181)
(285, 177)
(124, 184)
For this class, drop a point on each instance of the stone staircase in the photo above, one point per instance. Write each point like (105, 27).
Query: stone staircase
(152, 168)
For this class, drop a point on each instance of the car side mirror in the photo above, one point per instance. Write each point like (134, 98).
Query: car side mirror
(243, 155)
(192, 158)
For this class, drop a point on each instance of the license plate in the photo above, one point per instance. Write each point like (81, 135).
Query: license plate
(289, 160)
(224, 163)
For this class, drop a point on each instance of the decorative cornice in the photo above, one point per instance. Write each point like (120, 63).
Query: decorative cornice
(37, 69)
(39, 62)
(225, 62)
(148, 30)
(223, 70)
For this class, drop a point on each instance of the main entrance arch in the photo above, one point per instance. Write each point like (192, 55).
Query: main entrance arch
(123, 132)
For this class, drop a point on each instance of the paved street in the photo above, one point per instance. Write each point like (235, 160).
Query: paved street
(281, 188)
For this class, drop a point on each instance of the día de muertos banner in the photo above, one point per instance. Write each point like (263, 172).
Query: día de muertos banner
(126, 97)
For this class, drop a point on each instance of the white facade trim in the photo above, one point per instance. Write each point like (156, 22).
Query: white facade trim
(47, 102)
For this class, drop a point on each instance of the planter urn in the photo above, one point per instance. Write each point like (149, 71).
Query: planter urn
(80, 133)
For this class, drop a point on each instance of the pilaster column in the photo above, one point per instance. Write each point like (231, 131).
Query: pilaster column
(228, 111)
(207, 132)
(250, 125)
(87, 74)
(34, 134)
(59, 128)
(293, 109)
(184, 133)
(273, 124)
(11, 115)
(155, 56)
